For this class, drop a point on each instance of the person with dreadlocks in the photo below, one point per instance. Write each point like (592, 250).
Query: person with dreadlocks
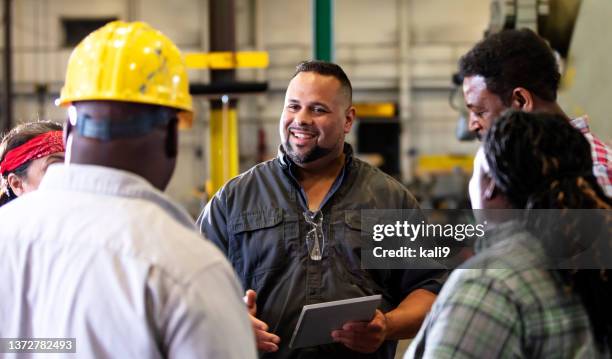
(508, 300)
(25, 154)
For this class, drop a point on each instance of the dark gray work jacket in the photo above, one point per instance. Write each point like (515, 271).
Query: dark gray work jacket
(257, 220)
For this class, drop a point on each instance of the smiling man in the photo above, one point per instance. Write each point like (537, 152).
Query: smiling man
(291, 228)
(516, 69)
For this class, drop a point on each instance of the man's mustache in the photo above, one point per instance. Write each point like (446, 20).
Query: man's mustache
(308, 129)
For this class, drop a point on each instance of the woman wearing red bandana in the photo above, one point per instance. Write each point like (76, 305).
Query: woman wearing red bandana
(25, 153)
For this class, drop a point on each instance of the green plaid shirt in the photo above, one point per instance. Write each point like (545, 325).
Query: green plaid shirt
(506, 308)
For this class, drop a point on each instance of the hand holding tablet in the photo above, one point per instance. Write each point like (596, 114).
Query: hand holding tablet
(363, 337)
(318, 321)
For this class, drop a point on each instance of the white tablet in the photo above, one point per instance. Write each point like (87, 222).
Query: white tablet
(317, 321)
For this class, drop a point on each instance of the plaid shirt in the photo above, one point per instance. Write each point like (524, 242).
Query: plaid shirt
(602, 155)
(506, 309)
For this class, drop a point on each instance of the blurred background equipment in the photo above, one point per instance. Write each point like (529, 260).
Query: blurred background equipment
(222, 90)
(378, 132)
(587, 82)
(400, 54)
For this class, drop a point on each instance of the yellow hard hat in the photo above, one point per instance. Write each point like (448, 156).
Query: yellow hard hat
(129, 62)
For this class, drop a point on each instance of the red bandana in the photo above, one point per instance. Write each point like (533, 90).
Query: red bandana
(40, 146)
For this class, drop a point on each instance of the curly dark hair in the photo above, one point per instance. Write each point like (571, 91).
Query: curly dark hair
(511, 59)
(535, 156)
(327, 69)
(540, 161)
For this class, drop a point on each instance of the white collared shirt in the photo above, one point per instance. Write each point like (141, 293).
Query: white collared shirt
(100, 255)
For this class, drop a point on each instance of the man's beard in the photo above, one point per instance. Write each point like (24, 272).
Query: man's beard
(314, 154)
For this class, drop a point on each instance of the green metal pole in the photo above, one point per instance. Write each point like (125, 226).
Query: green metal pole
(323, 29)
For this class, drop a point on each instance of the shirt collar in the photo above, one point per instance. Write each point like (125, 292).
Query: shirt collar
(499, 233)
(112, 182)
(581, 123)
(288, 167)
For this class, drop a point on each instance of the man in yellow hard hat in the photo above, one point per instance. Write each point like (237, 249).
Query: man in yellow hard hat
(99, 257)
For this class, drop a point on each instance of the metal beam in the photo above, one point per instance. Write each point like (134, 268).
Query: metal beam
(323, 29)
(222, 27)
(223, 142)
(7, 100)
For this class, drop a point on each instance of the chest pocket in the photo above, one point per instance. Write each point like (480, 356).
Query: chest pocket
(353, 240)
(259, 241)
(356, 238)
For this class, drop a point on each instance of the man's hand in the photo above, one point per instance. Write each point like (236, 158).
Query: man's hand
(266, 342)
(363, 337)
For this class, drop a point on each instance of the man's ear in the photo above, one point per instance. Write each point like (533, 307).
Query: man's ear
(15, 183)
(490, 191)
(522, 99)
(349, 119)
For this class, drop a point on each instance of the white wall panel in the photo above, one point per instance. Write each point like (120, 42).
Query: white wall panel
(366, 22)
(180, 20)
(287, 22)
(444, 22)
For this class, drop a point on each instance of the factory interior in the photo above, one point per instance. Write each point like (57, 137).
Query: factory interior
(401, 56)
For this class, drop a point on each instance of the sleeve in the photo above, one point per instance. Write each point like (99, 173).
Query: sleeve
(409, 201)
(476, 318)
(205, 317)
(213, 221)
(409, 280)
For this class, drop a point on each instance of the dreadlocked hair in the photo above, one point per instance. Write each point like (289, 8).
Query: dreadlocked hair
(540, 161)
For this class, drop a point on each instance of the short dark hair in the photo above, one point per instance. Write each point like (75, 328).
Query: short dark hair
(511, 59)
(326, 69)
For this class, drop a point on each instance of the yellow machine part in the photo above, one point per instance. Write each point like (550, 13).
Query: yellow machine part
(223, 147)
(375, 109)
(227, 60)
(444, 163)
